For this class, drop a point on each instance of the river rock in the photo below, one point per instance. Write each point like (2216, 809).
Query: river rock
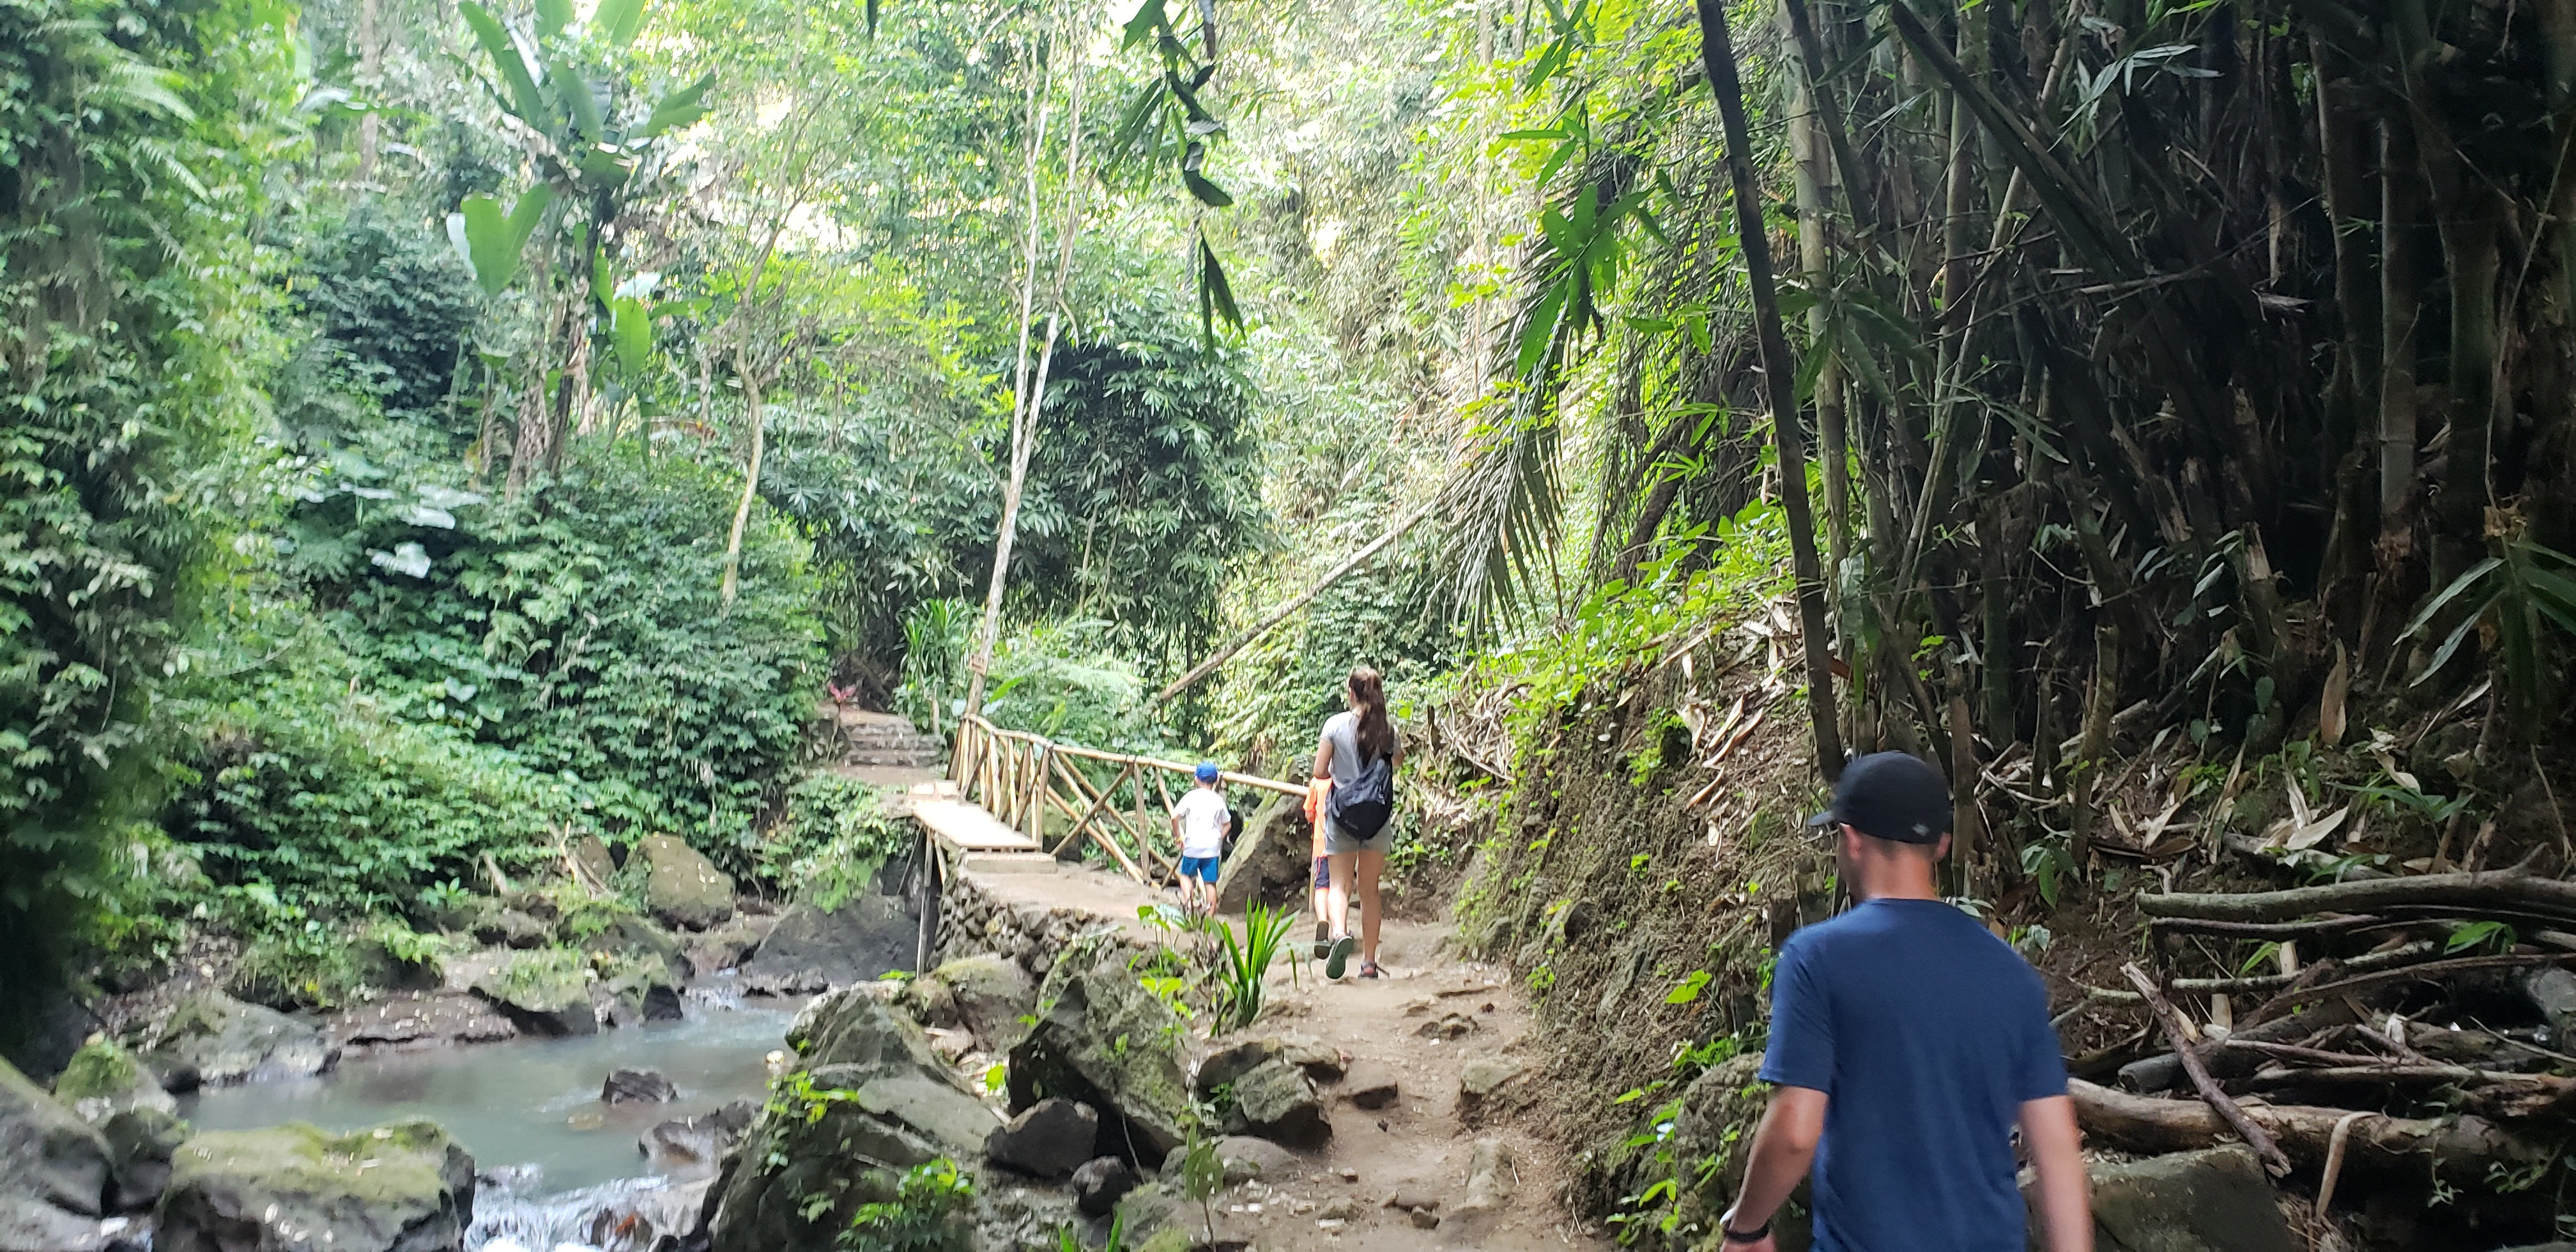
(811, 950)
(1050, 1139)
(1232, 1060)
(510, 928)
(103, 1080)
(55, 1171)
(1279, 1104)
(222, 1041)
(2215, 1200)
(728, 945)
(404, 1187)
(985, 995)
(1481, 1079)
(421, 1019)
(545, 993)
(1371, 1085)
(692, 1147)
(896, 1115)
(1099, 1184)
(1492, 1176)
(592, 865)
(636, 990)
(617, 934)
(637, 1086)
(140, 1143)
(1273, 861)
(642, 1219)
(857, 1026)
(1148, 1211)
(1106, 1041)
(1244, 1158)
(682, 887)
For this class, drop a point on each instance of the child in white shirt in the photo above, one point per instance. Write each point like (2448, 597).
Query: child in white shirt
(1199, 823)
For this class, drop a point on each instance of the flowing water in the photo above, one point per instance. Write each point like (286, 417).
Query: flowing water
(554, 1156)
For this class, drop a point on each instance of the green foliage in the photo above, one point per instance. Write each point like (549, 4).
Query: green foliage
(1242, 963)
(297, 788)
(831, 837)
(931, 1212)
(392, 313)
(579, 628)
(2515, 592)
(132, 140)
(1066, 680)
(936, 637)
(1140, 506)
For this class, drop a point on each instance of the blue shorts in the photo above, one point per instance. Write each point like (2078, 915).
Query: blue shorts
(1202, 868)
(1323, 872)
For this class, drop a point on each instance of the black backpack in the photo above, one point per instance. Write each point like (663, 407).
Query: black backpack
(1361, 806)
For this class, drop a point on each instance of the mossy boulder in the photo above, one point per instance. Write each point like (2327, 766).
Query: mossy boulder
(633, 989)
(859, 1026)
(404, 1187)
(215, 1039)
(682, 887)
(55, 1171)
(1104, 1040)
(104, 1080)
(546, 992)
(985, 994)
(812, 950)
(838, 1140)
(607, 927)
(140, 1146)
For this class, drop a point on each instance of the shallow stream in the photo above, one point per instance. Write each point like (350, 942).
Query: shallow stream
(529, 1110)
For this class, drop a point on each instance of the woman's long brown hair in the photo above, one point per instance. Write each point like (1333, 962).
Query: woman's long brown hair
(1376, 734)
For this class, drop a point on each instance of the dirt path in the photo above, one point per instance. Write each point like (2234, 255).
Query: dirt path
(1422, 1143)
(1419, 1146)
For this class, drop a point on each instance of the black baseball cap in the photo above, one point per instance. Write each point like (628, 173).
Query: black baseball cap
(1890, 795)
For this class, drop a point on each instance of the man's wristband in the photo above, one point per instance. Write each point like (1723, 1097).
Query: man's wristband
(1755, 1235)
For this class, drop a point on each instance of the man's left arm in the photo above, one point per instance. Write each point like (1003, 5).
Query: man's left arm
(1783, 1149)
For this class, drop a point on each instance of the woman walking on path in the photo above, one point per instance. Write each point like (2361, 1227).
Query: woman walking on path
(1351, 799)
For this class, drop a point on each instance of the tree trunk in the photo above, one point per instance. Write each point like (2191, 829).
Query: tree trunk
(1022, 414)
(2400, 310)
(1026, 404)
(1780, 378)
(750, 477)
(1814, 185)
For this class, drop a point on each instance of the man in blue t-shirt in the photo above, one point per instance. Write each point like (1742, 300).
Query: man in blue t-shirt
(1906, 1042)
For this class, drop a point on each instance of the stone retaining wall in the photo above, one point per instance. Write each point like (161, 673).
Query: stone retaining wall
(973, 921)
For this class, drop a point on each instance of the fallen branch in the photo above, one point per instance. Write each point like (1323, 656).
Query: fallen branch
(2386, 1075)
(2411, 953)
(2265, 930)
(1285, 611)
(2429, 969)
(2178, 1033)
(2475, 892)
(2456, 1150)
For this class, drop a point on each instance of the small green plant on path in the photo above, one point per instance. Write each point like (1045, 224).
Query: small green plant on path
(1242, 962)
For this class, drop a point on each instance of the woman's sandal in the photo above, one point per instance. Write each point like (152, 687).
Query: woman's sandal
(1369, 969)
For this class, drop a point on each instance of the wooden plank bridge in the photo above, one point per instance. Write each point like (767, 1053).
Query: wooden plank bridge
(1015, 801)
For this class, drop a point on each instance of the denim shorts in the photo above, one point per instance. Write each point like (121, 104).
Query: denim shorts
(1202, 868)
(1323, 872)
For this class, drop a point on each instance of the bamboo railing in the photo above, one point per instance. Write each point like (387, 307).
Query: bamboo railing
(1021, 778)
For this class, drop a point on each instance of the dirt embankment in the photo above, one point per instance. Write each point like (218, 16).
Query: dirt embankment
(1634, 857)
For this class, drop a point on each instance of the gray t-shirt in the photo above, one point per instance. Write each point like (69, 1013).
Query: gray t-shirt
(1342, 735)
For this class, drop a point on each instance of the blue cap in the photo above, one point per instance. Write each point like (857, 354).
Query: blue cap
(1207, 771)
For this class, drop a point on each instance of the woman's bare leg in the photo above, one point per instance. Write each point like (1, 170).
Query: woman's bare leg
(1337, 898)
(1366, 868)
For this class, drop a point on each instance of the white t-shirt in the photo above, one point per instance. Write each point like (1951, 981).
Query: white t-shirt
(1203, 821)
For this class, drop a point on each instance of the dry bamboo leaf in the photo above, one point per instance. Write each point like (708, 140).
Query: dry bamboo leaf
(1740, 736)
(2330, 707)
(2309, 834)
(2300, 814)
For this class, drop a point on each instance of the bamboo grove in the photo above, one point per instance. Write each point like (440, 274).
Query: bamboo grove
(2168, 364)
